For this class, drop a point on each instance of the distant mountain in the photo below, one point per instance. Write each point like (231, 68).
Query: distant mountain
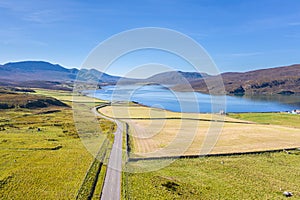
(175, 77)
(44, 71)
(167, 78)
(279, 80)
(35, 70)
(32, 66)
(95, 75)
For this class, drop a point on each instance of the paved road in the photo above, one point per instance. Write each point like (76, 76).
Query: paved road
(112, 183)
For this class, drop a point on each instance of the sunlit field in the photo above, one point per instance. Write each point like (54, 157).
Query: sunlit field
(156, 132)
(260, 176)
(41, 154)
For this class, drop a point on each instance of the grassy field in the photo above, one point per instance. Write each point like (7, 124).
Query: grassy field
(261, 176)
(156, 132)
(258, 176)
(136, 111)
(30, 173)
(69, 97)
(282, 119)
(41, 155)
(171, 137)
(25, 98)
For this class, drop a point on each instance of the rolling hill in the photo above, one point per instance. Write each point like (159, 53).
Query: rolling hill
(47, 75)
(20, 98)
(35, 73)
(40, 70)
(175, 77)
(167, 78)
(279, 80)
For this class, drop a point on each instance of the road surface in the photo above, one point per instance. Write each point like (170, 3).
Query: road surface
(112, 183)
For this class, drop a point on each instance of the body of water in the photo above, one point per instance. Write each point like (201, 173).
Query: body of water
(161, 97)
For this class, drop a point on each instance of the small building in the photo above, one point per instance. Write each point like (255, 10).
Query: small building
(295, 112)
(222, 112)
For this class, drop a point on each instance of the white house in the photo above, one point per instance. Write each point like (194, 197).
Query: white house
(295, 112)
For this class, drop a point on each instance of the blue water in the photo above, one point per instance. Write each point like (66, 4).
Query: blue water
(161, 97)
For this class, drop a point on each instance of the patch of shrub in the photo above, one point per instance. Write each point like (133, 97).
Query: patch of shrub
(28, 101)
(171, 186)
(5, 106)
(52, 140)
(238, 91)
(286, 92)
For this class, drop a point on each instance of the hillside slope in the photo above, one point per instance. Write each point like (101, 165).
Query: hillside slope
(279, 80)
(45, 71)
(175, 77)
(23, 98)
(167, 78)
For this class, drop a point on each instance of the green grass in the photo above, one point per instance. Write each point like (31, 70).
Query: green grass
(70, 97)
(260, 176)
(29, 169)
(26, 173)
(26, 100)
(101, 177)
(282, 119)
(91, 180)
(263, 176)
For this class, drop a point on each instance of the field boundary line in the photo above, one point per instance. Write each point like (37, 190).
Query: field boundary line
(97, 163)
(213, 155)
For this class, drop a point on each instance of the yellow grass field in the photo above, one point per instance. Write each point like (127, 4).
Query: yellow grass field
(157, 132)
(29, 169)
(41, 155)
(124, 110)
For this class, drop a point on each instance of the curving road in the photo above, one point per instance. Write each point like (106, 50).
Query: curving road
(112, 183)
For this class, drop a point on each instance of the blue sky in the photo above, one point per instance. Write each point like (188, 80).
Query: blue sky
(238, 35)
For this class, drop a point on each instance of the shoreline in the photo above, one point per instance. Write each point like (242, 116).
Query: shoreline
(232, 104)
(143, 105)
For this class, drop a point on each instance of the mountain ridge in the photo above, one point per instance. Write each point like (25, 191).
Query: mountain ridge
(277, 80)
(41, 70)
(33, 65)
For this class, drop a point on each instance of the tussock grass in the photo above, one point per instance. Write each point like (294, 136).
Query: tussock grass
(262, 176)
(31, 166)
(28, 170)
